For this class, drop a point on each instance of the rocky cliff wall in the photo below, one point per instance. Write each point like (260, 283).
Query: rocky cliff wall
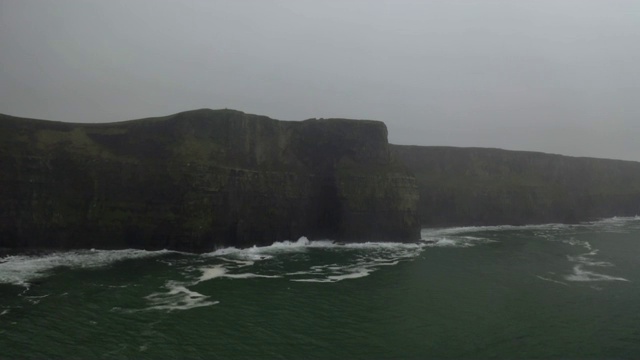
(476, 186)
(199, 180)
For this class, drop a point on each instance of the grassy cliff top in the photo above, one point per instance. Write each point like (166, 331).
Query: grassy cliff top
(225, 137)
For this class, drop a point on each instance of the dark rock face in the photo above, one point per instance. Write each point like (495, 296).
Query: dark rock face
(475, 186)
(199, 180)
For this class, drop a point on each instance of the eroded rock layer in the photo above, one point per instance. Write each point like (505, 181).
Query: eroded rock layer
(199, 180)
(478, 186)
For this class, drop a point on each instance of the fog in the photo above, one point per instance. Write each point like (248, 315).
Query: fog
(546, 75)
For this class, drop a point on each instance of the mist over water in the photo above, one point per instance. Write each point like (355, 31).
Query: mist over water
(474, 292)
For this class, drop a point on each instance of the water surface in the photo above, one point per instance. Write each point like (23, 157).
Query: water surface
(544, 291)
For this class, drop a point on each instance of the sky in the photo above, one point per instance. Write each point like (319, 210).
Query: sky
(557, 76)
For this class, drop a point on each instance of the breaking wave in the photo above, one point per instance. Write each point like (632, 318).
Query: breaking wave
(359, 260)
(22, 269)
(305, 261)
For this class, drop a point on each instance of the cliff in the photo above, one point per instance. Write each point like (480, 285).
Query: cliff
(199, 180)
(476, 186)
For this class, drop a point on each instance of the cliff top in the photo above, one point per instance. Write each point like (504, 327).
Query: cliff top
(201, 114)
(227, 137)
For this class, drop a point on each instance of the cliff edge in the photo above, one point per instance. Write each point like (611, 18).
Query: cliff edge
(200, 180)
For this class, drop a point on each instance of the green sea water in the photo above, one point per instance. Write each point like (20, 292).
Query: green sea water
(546, 291)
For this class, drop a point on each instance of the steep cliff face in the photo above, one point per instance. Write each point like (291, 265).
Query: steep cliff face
(199, 180)
(475, 186)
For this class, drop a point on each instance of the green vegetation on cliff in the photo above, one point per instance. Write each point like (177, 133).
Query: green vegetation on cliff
(204, 179)
(199, 180)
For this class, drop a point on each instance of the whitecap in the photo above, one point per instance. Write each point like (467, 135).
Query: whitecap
(21, 269)
(313, 280)
(250, 276)
(239, 263)
(586, 260)
(178, 297)
(335, 274)
(582, 275)
(456, 241)
(449, 242)
(366, 257)
(212, 273)
(219, 271)
(351, 275)
(383, 262)
(302, 241)
(256, 253)
(34, 299)
(574, 242)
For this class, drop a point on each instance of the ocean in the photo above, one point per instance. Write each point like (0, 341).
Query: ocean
(504, 292)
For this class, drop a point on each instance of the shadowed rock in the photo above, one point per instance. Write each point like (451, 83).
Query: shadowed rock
(199, 180)
(476, 186)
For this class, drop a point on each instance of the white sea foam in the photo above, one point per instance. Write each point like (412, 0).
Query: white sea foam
(460, 237)
(35, 299)
(250, 276)
(209, 273)
(357, 273)
(248, 255)
(362, 260)
(257, 253)
(346, 273)
(212, 273)
(580, 274)
(574, 242)
(240, 263)
(366, 263)
(178, 297)
(453, 237)
(585, 259)
(542, 229)
(616, 221)
(383, 262)
(20, 270)
(313, 280)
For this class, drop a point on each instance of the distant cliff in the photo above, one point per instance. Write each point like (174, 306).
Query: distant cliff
(199, 180)
(475, 186)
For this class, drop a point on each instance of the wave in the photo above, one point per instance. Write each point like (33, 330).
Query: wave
(582, 275)
(21, 270)
(177, 297)
(356, 260)
(584, 263)
(219, 271)
(301, 245)
(455, 237)
(617, 221)
(24, 269)
(360, 260)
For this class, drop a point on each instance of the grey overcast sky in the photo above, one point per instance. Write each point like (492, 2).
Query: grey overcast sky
(559, 76)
